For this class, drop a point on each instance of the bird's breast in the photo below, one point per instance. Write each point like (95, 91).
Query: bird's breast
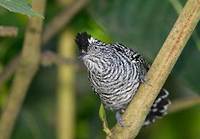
(116, 83)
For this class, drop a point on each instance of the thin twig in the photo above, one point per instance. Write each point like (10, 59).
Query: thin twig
(8, 70)
(49, 58)
(63, 18)
(29, 62)
(6, 31)
(182, 104)
(139, 107)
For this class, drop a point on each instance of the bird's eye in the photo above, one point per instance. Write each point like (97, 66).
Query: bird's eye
(95, 47)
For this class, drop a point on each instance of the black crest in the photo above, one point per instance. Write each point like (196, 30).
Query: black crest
(82, 40)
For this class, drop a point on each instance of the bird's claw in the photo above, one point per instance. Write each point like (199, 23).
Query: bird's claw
(119, 119)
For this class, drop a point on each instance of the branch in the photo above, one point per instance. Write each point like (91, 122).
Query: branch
(66, 88)
(139, 107)
(29, 62)
(182, 104)
(8, 31)
(178, 7)
(62, 19)
(8, 70)
(49, 58)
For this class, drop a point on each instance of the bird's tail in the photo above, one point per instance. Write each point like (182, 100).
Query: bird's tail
(159, 107)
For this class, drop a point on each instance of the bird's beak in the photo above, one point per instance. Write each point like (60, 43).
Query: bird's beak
(82, 54)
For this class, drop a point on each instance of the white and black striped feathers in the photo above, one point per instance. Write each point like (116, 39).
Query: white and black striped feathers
(115, 73)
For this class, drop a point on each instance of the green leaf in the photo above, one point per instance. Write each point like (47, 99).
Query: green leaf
(102, 113)
(19, 6)
(102, 116)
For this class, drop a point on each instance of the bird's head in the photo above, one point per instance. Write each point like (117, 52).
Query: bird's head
(90, 46)
(92, 51)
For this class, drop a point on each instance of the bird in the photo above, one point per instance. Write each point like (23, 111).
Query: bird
(115, 73)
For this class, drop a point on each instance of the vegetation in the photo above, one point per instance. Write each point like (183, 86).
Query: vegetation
(44, 92)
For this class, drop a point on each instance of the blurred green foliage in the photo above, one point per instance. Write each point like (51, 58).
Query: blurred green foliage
(19, 6)
(140, 24)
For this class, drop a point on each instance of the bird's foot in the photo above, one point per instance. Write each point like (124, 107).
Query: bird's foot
(119, 119)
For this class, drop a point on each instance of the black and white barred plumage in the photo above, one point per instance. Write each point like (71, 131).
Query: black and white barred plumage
(115, 73)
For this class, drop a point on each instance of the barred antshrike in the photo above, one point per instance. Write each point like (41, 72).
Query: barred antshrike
(115, 72)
